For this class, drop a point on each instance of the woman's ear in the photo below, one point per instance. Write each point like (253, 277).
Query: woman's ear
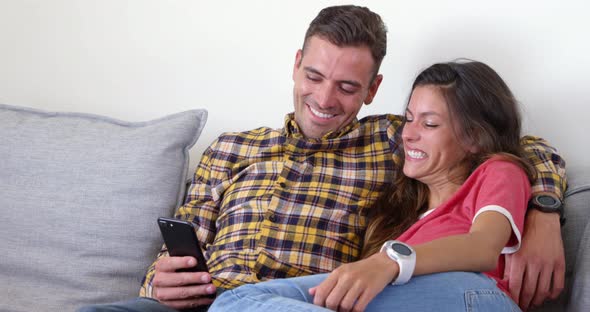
(473, 148)
(472, 141)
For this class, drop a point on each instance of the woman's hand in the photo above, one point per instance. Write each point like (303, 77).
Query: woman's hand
(352, 286)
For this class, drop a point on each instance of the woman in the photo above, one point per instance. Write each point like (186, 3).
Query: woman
(456, 210)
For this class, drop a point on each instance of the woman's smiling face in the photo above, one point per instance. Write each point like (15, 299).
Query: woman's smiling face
(433, 153)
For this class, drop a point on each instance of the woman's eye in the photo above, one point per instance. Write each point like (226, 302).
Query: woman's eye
(429, 125)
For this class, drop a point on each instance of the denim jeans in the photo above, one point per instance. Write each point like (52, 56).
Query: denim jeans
(138, 304)
(452, 291)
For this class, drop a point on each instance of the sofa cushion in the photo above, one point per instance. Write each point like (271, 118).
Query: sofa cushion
(80, 195)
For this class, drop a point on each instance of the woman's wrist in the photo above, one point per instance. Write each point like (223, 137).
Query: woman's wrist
(386, 265)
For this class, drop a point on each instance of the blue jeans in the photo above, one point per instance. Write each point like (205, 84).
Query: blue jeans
(452, 291)
(138, 304)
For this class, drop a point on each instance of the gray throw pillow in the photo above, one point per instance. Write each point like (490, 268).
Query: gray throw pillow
(79, 199)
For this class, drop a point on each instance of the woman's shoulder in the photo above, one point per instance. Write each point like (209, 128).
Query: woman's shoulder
(496, 177)
(499, 165)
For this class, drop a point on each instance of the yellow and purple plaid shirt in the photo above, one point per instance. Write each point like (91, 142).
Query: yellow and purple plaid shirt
(270, 203)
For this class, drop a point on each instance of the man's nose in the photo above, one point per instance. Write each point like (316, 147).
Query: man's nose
(326, 96)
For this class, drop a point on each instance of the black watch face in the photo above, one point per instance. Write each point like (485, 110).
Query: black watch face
(546, 201)
(401, 249)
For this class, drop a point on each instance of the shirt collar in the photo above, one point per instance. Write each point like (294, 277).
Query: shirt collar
(292, 129)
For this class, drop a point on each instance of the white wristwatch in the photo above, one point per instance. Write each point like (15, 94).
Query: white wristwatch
(405, 257)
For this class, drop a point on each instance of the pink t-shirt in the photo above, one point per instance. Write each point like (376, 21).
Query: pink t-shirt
(495, 185)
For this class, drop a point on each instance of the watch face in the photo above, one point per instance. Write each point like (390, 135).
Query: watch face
(547, 201)
(401, 249)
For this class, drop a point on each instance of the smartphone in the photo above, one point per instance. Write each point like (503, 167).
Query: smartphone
(181, 240)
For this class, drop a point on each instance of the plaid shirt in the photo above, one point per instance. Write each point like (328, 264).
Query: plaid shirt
(272, 204)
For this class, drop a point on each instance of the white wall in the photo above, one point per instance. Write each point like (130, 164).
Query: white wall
(138, 59)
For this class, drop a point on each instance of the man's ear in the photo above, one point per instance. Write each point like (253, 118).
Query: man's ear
(373, 89)
(298, 59)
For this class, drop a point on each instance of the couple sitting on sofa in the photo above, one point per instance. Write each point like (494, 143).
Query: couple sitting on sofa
(328, 189)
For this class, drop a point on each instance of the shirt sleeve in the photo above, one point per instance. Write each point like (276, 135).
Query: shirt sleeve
(201, 208)
(203, 199)
(394, 131)
(505, 189)
(550, 166)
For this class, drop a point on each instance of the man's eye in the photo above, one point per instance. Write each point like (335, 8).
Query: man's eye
(313, 78)
(347, 91)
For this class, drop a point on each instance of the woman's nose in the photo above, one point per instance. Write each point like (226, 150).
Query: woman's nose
(409, 132)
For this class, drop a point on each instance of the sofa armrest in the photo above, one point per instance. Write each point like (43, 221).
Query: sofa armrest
(580, 283)
(576, 239)
(576, 242)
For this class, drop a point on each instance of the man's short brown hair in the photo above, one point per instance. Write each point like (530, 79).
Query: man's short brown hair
(350, 25)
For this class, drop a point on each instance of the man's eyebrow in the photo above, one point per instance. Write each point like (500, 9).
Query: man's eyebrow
(313, 71)
(317, 72)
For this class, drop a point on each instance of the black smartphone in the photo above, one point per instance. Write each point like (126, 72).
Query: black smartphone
(181, 240)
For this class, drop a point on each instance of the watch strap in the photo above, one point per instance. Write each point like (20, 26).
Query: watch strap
(406, 262)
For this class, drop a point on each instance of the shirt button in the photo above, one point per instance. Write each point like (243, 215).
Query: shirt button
(259, 276)
(282, 184)
(272, 218)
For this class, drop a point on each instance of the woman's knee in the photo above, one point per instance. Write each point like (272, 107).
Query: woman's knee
(294, 288)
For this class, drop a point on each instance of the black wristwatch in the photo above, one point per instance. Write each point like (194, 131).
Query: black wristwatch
(548, 203)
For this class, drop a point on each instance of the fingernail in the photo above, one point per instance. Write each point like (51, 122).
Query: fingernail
(210, 289)
(192, 262)
(205, 278)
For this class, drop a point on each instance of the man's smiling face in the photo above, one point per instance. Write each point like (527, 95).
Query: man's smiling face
(331, 85)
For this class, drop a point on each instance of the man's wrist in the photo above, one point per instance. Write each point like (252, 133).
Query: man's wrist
(539, 222)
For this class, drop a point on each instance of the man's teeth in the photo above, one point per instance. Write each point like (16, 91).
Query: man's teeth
(321, 115)
(416, 154)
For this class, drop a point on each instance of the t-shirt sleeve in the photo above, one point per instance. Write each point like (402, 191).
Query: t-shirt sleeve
(505, 188)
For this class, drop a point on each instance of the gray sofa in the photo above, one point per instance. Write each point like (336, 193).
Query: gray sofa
(576, 240)
(80, 194)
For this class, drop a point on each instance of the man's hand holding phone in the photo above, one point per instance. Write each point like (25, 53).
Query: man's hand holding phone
(181, 280)
(181, 290)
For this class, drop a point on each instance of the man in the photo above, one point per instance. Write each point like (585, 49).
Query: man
(274, 203)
